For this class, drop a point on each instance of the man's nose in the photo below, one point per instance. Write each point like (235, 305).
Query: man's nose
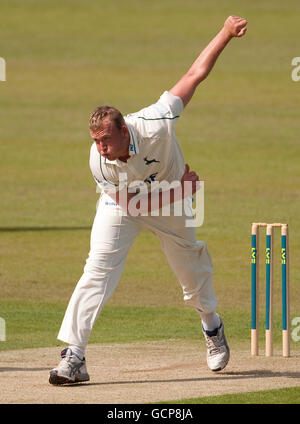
(102, 147)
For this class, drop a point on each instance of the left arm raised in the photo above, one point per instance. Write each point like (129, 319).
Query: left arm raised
(234, 26)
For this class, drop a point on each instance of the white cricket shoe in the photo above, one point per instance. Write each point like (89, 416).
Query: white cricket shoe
(218, 352)
(71, 369)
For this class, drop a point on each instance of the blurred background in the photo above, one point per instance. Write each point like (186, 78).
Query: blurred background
(240, 133)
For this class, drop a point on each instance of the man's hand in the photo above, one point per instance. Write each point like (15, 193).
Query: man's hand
(235, 26)
(189, 182)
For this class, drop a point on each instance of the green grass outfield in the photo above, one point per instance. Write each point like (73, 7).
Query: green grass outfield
(278, 396)
(240, 133)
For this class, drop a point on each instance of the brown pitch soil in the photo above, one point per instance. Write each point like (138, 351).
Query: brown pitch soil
(141, 373)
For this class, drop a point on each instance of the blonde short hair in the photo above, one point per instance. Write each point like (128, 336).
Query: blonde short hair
(104, 112)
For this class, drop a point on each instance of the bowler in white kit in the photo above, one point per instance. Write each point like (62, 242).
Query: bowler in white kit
(129, 154)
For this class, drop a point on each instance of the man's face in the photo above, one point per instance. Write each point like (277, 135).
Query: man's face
(112, 142)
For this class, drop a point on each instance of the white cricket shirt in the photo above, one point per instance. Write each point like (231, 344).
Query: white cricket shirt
(155, 154)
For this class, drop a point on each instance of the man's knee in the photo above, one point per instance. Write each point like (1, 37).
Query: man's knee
(206, 305)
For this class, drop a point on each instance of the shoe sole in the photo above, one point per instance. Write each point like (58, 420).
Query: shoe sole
(58, 380)
(221, 368)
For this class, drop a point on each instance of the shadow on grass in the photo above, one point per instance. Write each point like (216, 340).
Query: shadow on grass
(219, 376)
(20, 229)
(6, 369)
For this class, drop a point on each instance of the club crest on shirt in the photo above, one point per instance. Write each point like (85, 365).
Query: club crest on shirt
(149, 161)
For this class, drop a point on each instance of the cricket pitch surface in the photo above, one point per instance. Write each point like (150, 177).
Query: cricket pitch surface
(141, 373)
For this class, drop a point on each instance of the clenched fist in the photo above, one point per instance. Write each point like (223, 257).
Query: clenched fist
(189, 182)
(235, 26)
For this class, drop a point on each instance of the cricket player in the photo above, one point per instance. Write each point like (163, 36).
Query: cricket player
(128, 153)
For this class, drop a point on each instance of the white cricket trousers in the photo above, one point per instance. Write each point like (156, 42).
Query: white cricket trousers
(111, 238)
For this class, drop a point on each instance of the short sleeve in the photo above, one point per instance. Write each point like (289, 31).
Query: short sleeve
(172, 106)
(158, 119)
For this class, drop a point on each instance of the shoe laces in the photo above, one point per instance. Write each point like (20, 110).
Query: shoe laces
(71, 361)
(214, 343)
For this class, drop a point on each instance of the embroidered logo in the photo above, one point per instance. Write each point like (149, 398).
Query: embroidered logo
(149, 161)
(151, 178)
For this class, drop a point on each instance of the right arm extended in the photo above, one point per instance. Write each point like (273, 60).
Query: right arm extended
(234, 26)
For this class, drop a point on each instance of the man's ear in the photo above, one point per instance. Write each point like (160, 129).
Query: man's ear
(124, 130)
